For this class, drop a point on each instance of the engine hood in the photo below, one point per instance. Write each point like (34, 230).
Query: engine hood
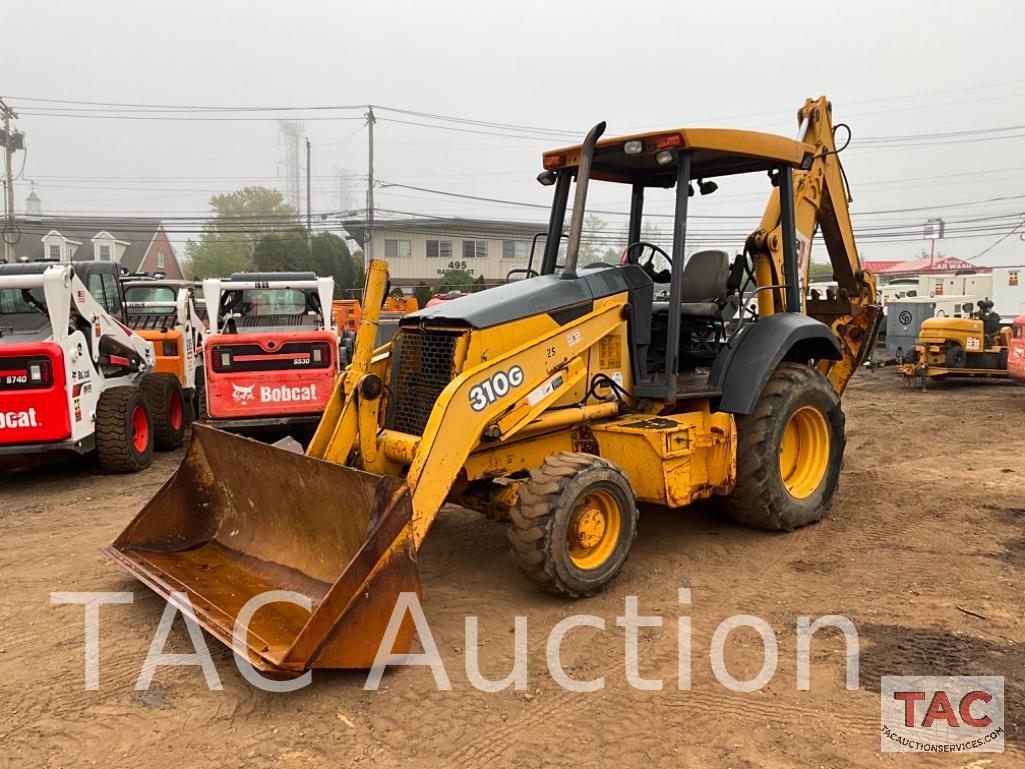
(534, 296)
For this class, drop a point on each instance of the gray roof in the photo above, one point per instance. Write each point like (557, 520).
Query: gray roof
(138, 232)
(481, 228)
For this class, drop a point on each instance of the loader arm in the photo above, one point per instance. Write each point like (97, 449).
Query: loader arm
(63, 291)
(820, 205)
(549, 367)
(539, 373)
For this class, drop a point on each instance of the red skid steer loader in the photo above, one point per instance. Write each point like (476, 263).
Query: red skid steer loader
(73, 377)
(271, 355)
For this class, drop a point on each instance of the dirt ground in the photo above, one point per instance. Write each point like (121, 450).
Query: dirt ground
(928, 525)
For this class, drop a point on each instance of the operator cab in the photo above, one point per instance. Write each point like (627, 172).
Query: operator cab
(683, 310)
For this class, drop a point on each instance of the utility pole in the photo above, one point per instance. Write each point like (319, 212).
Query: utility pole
(309, 216)
(8, 178)
(368, 247)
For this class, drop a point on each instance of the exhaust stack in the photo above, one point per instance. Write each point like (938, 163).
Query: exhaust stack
(576, 226)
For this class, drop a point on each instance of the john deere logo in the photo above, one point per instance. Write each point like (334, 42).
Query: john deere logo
(904, 318)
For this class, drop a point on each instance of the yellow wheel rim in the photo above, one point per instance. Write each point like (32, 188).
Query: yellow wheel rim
(594, 529)
(804, 451)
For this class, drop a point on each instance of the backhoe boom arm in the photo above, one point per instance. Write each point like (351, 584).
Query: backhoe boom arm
(820, 205)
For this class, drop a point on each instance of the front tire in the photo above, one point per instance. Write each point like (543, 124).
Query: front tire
(124, 430)
(574, 523)
(789, 453)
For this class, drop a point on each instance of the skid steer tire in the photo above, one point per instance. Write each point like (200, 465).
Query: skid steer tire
(580, 495)
(124, 430)
(167, 409)
(799, 406)
(199, 399)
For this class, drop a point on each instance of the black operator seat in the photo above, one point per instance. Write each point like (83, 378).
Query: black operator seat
(706, 277)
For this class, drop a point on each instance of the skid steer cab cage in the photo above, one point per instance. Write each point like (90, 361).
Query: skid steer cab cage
(224, 531)
(215, 290)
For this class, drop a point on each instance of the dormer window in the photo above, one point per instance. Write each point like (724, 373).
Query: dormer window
(55, 252)
(107, 248)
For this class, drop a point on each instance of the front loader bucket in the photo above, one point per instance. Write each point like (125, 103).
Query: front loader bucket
(240, 518)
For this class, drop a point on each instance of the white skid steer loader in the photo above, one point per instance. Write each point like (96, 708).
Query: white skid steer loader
(73, 377)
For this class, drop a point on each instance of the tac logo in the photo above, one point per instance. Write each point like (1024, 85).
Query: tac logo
(11, 420)
(942, 714)
(242, 395)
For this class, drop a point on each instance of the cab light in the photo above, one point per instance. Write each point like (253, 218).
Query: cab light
(667, 141)
(634, 147)
(663, 158)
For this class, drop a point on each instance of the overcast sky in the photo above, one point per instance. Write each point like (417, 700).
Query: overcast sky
(891, 69)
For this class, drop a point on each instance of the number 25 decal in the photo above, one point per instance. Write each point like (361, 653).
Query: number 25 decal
(495, 387)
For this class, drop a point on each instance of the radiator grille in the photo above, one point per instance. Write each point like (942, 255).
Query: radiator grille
(425, 366)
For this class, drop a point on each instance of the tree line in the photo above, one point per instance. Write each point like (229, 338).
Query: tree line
(255, 230)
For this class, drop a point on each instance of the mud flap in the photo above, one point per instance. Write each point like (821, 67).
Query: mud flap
(240, 518)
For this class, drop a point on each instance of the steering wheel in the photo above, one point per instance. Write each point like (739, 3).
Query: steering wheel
(648, 264)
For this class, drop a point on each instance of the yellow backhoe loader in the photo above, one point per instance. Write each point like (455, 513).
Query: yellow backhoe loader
(557, 401)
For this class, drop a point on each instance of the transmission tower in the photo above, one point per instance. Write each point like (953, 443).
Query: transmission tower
(291, 133)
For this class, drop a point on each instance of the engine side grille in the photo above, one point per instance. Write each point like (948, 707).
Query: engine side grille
(425, 364)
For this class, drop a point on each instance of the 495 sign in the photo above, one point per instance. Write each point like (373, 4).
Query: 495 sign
(494, 387)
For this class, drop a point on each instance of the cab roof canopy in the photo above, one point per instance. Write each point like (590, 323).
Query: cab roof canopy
(714, 152)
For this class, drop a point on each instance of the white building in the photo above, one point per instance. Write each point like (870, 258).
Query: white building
(422, 250)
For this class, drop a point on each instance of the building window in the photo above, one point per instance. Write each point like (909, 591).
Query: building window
(515, 249)
(396, 248)
(104, 253)
(160, 260)
(439, 248)
(475, 248)
(55, 252)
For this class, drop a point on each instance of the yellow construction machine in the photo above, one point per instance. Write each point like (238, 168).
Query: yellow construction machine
(975, 347)
(558, 402)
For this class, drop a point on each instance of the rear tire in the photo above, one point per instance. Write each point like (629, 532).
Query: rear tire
(574, 523)
(167, 408)
(124, 430)
(786, 471)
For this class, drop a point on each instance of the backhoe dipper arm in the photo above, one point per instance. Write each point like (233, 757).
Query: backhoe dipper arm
(820, 204)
